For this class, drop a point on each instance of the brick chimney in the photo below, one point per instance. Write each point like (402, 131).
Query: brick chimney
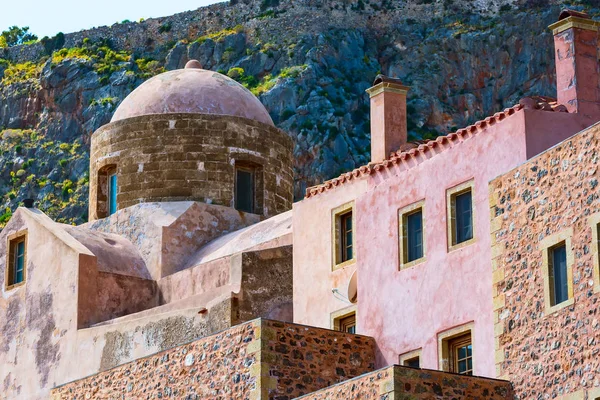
(576, 53)
(388, 117)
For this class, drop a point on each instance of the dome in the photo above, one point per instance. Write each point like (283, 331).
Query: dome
(192, 90)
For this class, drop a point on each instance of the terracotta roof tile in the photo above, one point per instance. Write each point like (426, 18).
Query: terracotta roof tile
(420, 147)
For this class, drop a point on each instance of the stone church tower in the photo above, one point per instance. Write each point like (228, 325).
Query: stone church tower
(191, 134)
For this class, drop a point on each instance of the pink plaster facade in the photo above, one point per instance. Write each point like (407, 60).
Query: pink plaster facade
(408, 309)
(405, 310)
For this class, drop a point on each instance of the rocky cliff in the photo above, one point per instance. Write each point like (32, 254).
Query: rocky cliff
(309, 61)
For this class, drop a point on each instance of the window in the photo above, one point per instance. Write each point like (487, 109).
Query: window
(594, 221)
(460, 203)
(344, 320)
(455, 348)
(343, 235)
(244, 189)
(106, 189)
(463, 222)
(16, 262)
(346, 242)
(412, 249)
(411, 359)
(412, 362)
(557, 262)
(112, 194)
(348, 324)
(559, 286)
(461, 352)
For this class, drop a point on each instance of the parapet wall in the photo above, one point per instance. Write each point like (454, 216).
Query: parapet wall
(261, 359)
(179, 157)
(398, 382)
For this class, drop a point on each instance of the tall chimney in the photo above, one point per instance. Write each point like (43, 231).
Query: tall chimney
(388, 117)
(576, 53)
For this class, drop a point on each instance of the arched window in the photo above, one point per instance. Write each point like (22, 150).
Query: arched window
(107, 190)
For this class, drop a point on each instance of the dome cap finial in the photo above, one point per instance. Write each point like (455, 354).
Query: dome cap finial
(193, 64)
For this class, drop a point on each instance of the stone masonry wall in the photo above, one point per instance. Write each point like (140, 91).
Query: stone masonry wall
(548, 352)
(261, 359)
(398, 382)
(176, 157)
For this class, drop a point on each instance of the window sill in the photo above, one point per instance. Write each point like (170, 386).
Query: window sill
(558, 307)
(412, 263)
(15, 286)
(344, 264)
(461, 245)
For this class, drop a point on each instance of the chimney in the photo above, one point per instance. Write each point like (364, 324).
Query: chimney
(576, 54)
(388, 117)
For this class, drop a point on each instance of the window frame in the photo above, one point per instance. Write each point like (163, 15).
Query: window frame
(451, 195)
(348, 322)
(447, 338)
(546, 246)
(454, 345)
(9, 275)
(337, 239)
(102, 188)
(337, 317)
(410, 356)
(403, 215)
(253, 173)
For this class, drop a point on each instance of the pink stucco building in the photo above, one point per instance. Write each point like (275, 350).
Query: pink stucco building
(420, 253)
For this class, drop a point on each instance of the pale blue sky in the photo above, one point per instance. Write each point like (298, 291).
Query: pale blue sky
(46, 18)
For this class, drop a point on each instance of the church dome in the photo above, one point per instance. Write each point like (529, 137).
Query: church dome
(192, 90)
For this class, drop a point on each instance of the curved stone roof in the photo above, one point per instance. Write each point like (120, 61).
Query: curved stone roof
(192, 90)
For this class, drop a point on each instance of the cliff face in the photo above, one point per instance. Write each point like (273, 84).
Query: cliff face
(308, 61)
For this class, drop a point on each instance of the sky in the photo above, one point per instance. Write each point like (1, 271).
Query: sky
(47, 18)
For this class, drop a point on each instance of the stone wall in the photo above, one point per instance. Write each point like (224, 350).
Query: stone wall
(176, 157)
(261, 359)
(398, 382)
(548, 352)
(266, 284)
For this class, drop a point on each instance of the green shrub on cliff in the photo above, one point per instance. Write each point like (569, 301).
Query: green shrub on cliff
(220, 35)
(23, 72)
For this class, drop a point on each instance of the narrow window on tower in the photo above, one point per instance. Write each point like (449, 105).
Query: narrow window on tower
(16, 262)
(244, 189)
(412, 248)
(460, 215)
(112, 194)
(106, 191)
(343, 235)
